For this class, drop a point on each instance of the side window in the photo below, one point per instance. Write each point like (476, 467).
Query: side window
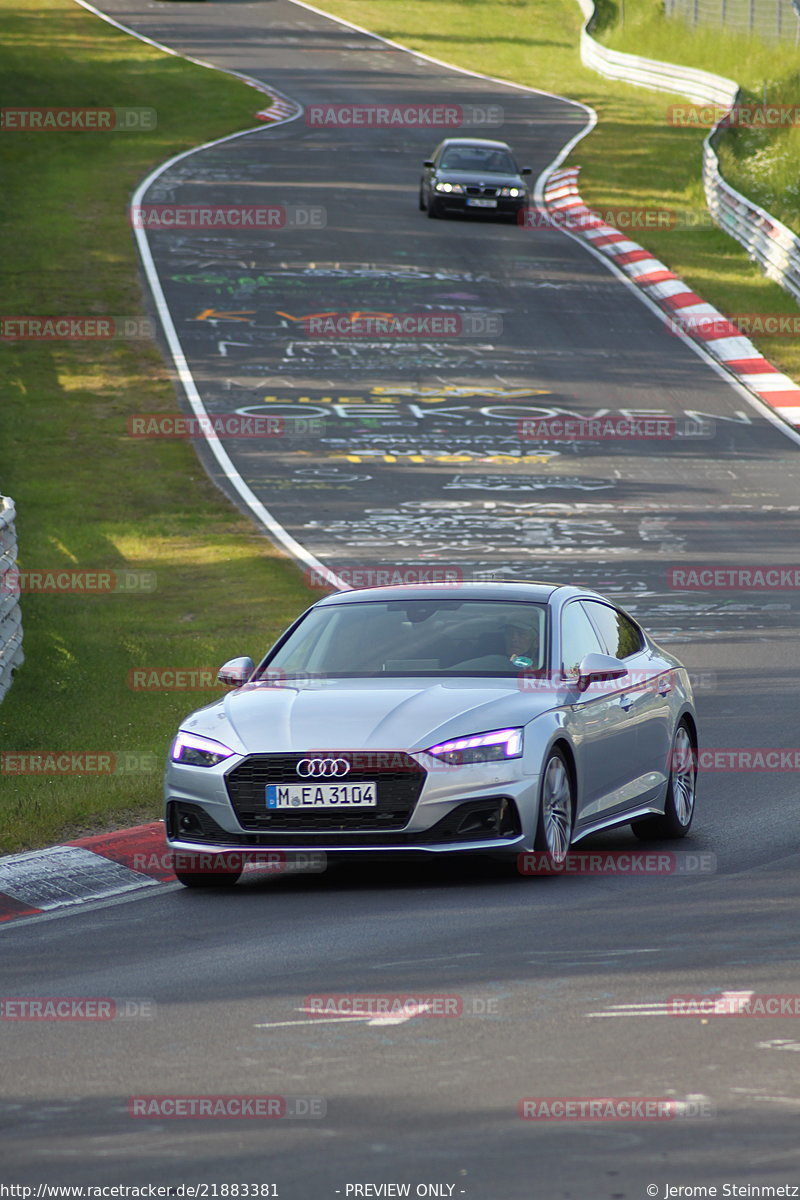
(578, 638)
(620, 635)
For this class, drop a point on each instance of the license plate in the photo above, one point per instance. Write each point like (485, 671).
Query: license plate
(482, 203)
(322, 795)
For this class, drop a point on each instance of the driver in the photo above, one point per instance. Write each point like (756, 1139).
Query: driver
(522, 643)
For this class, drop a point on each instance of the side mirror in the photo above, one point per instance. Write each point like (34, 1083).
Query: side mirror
(526, 171)
(594, 667)
(236, 671)
(428, 162)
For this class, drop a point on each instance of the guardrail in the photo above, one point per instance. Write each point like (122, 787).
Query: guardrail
(10, 614)
(767, 240)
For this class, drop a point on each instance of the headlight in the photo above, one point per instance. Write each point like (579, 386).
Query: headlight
(483, 747)
(510, 191)
(449, 187)
(192, 750)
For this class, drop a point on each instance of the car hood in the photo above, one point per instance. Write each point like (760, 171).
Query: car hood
(353, 714)
(490, 178)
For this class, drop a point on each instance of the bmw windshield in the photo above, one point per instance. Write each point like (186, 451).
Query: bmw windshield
(373, 639)
(476, 158)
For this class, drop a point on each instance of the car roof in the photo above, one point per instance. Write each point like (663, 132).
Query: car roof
(492, 589)
(475, 142)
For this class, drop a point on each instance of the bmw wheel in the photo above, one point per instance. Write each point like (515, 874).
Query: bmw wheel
(556, 810)
(681, 789)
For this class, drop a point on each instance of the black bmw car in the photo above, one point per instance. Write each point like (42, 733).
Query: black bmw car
(472, 175)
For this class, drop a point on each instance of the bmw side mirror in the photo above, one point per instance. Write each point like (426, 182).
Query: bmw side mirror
(428, 162)
(526, 171)
(599, 666)
(236, 671)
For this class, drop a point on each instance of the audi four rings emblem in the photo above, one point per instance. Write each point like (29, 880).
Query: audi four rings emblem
(325, 768)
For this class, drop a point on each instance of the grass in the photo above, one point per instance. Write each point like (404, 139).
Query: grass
(763, 163)
(87, 495)
(634, 157)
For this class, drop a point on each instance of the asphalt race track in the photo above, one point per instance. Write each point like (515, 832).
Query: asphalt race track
(414, 459)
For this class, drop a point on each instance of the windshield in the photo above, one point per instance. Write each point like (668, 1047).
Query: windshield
(478, 158)
(415, 637)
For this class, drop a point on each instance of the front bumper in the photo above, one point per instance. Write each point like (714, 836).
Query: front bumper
(507, 206)
(490, 824)
(486, 807)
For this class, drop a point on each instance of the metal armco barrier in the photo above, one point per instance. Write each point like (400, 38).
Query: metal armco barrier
(10, 615)
(767, 240)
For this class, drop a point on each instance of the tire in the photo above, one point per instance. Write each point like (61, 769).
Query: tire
(212, 877)
(681, 792)
(556, 812)
(433, 209)
(421, 201)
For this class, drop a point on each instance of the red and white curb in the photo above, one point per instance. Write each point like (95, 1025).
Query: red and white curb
(689, 311)
(92, 868)
(281, 109)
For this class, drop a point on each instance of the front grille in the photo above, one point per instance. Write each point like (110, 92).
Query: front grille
(399, 779)
(474, 190)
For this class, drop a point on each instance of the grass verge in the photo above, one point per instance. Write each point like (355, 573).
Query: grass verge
(763, 162)
(634, 157)
(89, 497)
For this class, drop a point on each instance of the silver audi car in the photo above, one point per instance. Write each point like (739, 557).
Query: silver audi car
(493, 718)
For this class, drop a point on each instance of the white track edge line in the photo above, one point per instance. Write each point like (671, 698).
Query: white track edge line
(261, 513)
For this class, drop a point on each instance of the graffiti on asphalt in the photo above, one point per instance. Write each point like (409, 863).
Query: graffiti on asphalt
(527, 483)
